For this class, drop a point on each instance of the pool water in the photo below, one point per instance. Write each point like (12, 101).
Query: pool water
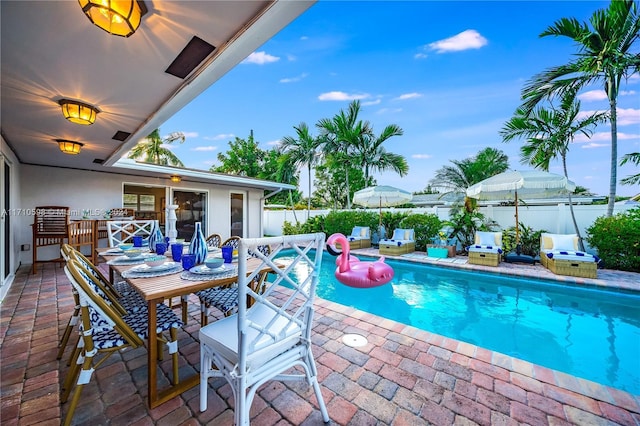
(585, 332)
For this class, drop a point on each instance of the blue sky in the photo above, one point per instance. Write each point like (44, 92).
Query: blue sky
(448, 73)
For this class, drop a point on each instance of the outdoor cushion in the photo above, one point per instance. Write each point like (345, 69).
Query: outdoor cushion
(485, 248)
(488, 238)
(564, 242)
(578, 256)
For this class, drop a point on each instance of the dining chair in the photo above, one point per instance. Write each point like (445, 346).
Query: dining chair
(104, 333)
(225, 299)
(260, 343)
(214, 240)
(122, 231)
(50, 228)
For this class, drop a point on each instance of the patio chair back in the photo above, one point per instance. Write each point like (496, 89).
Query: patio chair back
(214, 240)
(122, 231)
(50, 227)
(261, 342)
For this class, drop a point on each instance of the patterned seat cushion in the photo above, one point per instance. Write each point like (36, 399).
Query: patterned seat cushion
(578, 256)
(224, 299)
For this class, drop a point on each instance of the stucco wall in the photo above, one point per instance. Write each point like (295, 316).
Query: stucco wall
(99, 191)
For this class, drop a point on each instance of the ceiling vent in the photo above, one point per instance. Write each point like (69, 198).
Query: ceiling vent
(98, 161)
(190, 57)
(121, 136)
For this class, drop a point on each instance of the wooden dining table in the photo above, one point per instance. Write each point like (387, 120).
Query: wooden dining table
(155, 290)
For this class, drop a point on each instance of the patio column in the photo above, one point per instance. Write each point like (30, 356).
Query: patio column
(171, 222)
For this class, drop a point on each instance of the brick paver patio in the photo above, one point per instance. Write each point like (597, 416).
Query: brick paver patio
(403, 376)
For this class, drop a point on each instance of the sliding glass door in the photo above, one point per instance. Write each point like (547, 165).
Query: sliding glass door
(192, 208)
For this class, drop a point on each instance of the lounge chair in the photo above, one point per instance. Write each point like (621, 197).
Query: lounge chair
(487, 249)
(402, 241)
(360, 237)
(559, 253)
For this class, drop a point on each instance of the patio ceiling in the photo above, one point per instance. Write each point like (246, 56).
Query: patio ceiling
(51, 51)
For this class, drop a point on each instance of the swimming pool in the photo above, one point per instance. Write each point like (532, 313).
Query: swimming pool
(585, 332)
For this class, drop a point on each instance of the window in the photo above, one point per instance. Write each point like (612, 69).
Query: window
(139, 202)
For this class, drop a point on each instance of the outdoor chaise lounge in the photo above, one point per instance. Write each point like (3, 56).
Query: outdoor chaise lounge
(559, 253)
(360, 237)
(402, 241)
(487, 249)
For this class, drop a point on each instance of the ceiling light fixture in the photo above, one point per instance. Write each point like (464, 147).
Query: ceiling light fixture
(78, 112)
(176, 178)
(69, 147)
(117, 17)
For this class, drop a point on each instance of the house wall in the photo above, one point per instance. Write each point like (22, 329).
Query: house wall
(100, 191)
(8, 158)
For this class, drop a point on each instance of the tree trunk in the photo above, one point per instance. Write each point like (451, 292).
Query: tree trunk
(347, 182)
(573, 216)
(612, 93)
(309, 195)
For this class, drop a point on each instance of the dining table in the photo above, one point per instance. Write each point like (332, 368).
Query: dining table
(154, 290)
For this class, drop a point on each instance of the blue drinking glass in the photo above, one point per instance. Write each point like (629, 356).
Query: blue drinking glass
(176, 251)
(188, 261)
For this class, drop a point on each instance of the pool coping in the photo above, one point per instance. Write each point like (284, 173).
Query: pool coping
(466, 353)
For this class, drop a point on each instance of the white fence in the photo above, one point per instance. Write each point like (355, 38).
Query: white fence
(555, 219)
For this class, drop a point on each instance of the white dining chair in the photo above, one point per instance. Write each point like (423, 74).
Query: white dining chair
(263, 342)
(122, 231)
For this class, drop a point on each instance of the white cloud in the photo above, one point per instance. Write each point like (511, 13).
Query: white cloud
(389, 110)
(468, 39)
(291, 58)
(605, 137)
(274, 143)
(627, 116)
(219, 137)
(341, 96)
(260, 58)
(406, 96)
(304, 38)
(593, 95)
(591, 145)
(205, 148)
(168, 146)
(627, 92)
(369, 103)
(421, 156)
(420, 56)
(294, 79)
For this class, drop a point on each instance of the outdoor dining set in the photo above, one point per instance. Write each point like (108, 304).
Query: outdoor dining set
(265, 330)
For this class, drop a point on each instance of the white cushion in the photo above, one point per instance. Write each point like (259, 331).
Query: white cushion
(564, 241)
(486, 238)
(398, 234)
(574, 256)
(222, 336)
(356, 231)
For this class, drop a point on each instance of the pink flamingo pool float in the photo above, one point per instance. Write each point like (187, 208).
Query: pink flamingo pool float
(354, 273)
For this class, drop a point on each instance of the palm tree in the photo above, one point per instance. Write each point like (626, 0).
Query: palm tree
(548, 134)
(151, 149)
(467, 172)
(604, 55)
(341, 134)
(464, 173)
(302, 151)
(371, 155)
(633, 157)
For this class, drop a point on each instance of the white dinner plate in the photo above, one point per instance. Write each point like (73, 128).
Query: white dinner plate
(204, 270)
(146, 268)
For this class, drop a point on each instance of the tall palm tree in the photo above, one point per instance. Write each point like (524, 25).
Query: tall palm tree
(371, 155)
(341, 134)
(604, 56)
(548, 134)
(151, 149)
(303, 152)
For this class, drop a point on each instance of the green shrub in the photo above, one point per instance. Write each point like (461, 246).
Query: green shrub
(529, 240)
(617, 240)
(343, 222)
(426, 227)
(391, 221)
